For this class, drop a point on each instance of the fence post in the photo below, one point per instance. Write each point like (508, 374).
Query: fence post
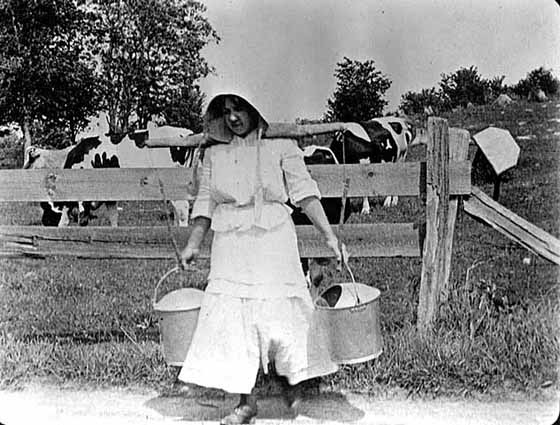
(437, 215)
(459, 140)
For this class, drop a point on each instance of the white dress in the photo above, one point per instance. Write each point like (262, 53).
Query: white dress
(257, 307)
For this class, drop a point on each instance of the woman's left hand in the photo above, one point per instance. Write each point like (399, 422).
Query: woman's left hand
(339, 249)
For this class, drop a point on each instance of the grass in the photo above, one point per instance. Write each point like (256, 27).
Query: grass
(91, 321)
(113, 363)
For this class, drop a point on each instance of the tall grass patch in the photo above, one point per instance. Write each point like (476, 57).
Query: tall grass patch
(517, 351)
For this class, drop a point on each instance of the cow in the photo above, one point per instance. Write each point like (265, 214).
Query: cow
(101, 151)
(54, 213)
(132, 153)
(389, 138)
(384, 139)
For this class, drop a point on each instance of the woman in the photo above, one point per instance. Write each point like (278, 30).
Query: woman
(257, 308)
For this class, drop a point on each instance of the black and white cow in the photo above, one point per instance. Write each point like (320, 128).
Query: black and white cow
(105, 152)
(389, 138)
(383, 139)
(320, 155)
(54, 213)
(131, 153)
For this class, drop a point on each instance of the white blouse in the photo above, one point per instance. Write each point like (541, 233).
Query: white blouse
(246, 183)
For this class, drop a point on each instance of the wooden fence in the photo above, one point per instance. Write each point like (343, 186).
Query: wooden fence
(441, 179)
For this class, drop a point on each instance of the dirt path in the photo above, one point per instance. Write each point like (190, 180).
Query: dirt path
(50, 405)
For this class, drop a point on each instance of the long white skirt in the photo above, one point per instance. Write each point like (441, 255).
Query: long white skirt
(256, 309)
(235, 336)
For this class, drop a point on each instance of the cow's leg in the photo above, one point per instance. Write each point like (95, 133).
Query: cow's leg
(112, 213)
(305, 268)
(65, 218)
(51, 215)
(315, 278)
(391, 201)
(84, 213)
(182, 210)
(366, 209)
(321, 274)
(365, 206)
(312, 269)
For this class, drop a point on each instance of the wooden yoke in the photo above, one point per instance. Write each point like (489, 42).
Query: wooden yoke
(275, 130)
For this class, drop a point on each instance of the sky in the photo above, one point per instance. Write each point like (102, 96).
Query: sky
(282, 54)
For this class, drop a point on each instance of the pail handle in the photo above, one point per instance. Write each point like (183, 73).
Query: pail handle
(347, 266)
(160, 281)
(165, 276)
(341, 225)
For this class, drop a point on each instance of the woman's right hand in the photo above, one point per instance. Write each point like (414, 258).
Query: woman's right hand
(339, 250)
(188, 255)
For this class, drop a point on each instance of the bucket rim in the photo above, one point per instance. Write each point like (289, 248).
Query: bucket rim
(177, 310)
(329, 308)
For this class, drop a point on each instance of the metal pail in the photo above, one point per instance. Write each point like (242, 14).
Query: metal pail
(350, 313)
(177, 316)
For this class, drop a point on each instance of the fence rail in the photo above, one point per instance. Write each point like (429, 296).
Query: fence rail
(144, 184)
(364, 240)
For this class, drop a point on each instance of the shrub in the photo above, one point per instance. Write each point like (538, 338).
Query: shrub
(462, 87)
(538, 79)
(416, 103)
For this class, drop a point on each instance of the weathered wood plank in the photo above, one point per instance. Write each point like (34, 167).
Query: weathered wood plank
(126, 184)
(99, 184)
(363, 240)
(437, 215)
(458, 150)
(516, 228)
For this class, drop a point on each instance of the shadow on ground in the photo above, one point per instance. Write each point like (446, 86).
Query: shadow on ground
(212, 407)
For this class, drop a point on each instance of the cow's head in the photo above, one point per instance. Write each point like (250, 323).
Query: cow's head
(402, 128)
(350, 147)
(317, 155)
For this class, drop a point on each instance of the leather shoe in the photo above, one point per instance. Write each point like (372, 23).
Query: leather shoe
(243, 414)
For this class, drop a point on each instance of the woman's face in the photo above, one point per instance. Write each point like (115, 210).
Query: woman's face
(239, 118)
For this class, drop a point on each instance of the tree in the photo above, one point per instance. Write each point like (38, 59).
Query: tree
(494, 87)
(150, 57)
(185, 110)
(463, 87)
(416, 103)
(538, 79)
(45, 73)
(359, 92)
